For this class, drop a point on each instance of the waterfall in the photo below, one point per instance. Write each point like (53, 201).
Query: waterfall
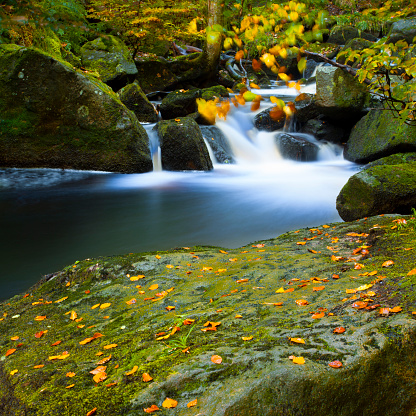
(154, 145)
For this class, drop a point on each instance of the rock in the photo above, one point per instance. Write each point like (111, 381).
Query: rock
(326, 130)
(306, 108)
(135, 100)
(297, 147)
(54, 116)
(263, 121)
(404, 29)
(218, 143)
(356, 44)
(182, 103)
(379, 134)
(256, 376)
(338, 94)
(110, 57)
(340, 35)
(155, 74)
(182, 145)
(382, 189)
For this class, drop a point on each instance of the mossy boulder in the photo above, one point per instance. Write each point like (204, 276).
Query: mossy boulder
(338, 94)
(154, 74)
(404, 29)
(356, 44)
(296, 147)
(381, 189)
(341, 34)
(155, 313)
(135, 100)
(111, 58)
(54, 116)
(182, 145)
(379, 134)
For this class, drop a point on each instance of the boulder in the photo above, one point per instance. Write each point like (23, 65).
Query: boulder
(326, 130)
(246, 366)
(379, 134)
(52, 115)
(341, 34)
(135, 100)
(111, 59)
(297, 147)
(404, 29)
(270, 119)
(182, 145)
(155, 74)
(339, 95)
(306, 108)
(218, 143)
(381, 189)
(356, 44)
(182, 103)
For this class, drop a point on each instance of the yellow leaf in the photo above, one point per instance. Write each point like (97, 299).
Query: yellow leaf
(255, 86)
(192, 403)
(61, 300)
(70, 386)
(109, 346)
(64, 355)
(238, 316)
(298, 360)
(169, 403)
(146, 377)
(247, 338)
(297, 340)
(13, 372)
(132, 371)
(73, 316)
(40, 318)
(169, 266)
(350, 291)
(364, 287)
(99, 377)
(153, 287)
(70, 374)
(412, 272)
(387, 263)
(281, 290)
(283, 76)
(158, 257)
(39, 366)
(135, 278)
(105, 305)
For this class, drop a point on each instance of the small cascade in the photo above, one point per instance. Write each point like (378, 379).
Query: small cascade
(154, 145)
(210, 152)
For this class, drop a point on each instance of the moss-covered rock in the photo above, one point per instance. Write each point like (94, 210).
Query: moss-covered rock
(404, 29)
(155, 74)
(296, 147)
(356, 44)
(338, 94)
(111, 58)
(341, 34)
(381, 189)
(135, 100)
(182, 145)
(54, 116)
(122, 311)
(379, 134)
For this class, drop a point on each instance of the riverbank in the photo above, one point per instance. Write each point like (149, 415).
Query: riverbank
(169, 314)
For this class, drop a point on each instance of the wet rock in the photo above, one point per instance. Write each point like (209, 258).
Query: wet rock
(218, 143)
(135, 100)
(306, 108)
(404, 29)
(339, 95)
(379, 134)
(296, 147)
(240, 298)
(182, 145)
(263, 121)
(54, 116)
(111, 58)
(356, 44)
(340, 34)
(326, 130)
(381, 189)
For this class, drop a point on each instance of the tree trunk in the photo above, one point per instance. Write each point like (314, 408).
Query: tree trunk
(214, 38)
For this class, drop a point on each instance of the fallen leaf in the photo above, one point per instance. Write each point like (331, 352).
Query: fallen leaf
(104, 360)
(146, 377)
(300, 243)
(64, 355)
(105, 305)
(318, 288)
(14, 338)
(39, 366)
(99, 377)
(61, 300)
(339, 330)
(247, 338)
(70, 374)
(135, 278)
(10, 351)
(55, 343)
(169, 403)
(40, 318)
(387, 263)
(92, 412)
(318, 315)
(302, 302)
(95, 306)
(216, 359)
(280, 290)
(297, 340)
(131, 301)
(170, 308)
(70, 386)
(132, 371)
(73, 316)
(13, 372)
(412, 272)
(40, 333)
(359, 304)
(153, 407)
(298, 360)
(395, 309)
(153, 287)
(336, 258)
(192, 403)
(335, 364)
(384, 311)
(107, 347)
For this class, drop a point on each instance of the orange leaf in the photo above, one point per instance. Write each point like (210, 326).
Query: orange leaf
(73, 316)
(107, 347)
(10, 351)
(247, 338)
(336, 258)
(99, 369)
(70, 374)
(412, 272)
(256, 65)
(99, 377)
(14, 338)
(146, 377)
(335, 276)
(335, 364)
(153, 287)
(239, 55)
(170, 308)
(132, 371)
(302, 302)
(395, 309)
(39, 366)
(339, 330)
(359, 304)
(241, 280)
(318, 288)
(318, 315)
(40, 333)
(387, 263)
(192, 403)
(169, 403)
(92, 412)
(135, 278)
(104, 305)
(40, 318)
(298, 360)
(131, 301)
(55, 343)
(384, 311)
(104, 360)
(70, 386)
(301, 243)
(216, 359)
(152, 408)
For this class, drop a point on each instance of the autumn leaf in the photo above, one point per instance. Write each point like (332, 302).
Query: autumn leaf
(104, 360)
(95, 306)
(216, 359)
(70, 374)
(10, 351)
(336, 258)
(301, 302)
(192, 403)
(135, 278)
(384, 311)
(73, 316)
(169, 403)
(412, 272)
(131, 301)
(15, 338)
(99, 377)
(151, 409)
(280, 290)
(108, 347)
(297, 360)
(92, 412)
(13, 372)
(359, 304)
(146, 377)
(153, 287)
(70, 386)
(62, 356)
(387, 263)
(241, 280)
(335, 364)
(105, 305)
(318, 315)
(318, 288)
(55, 343)
(40, 318)
(339, 330)
(301, 243)
(247, 338)
(61, 300)
(395, 309)
(297, 340)
(132, 371)
(39, 366)
(40, 334)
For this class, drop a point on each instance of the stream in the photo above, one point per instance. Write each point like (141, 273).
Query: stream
(50, 218)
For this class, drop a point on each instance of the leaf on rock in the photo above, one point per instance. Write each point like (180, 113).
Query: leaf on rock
(339, 330)
(302, 302)
(152, 408)
(297, 340)
(335, 364)
(387, 263)
(169, 403)
(146, 377)
(216, 359)
(10, 351)
(132, 371)
(192, 403)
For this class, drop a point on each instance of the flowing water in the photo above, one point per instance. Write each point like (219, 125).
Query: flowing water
(51, 218)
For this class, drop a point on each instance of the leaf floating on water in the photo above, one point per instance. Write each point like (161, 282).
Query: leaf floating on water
(216, 359)
(192, 403)
(335, 364)
(151, 409)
